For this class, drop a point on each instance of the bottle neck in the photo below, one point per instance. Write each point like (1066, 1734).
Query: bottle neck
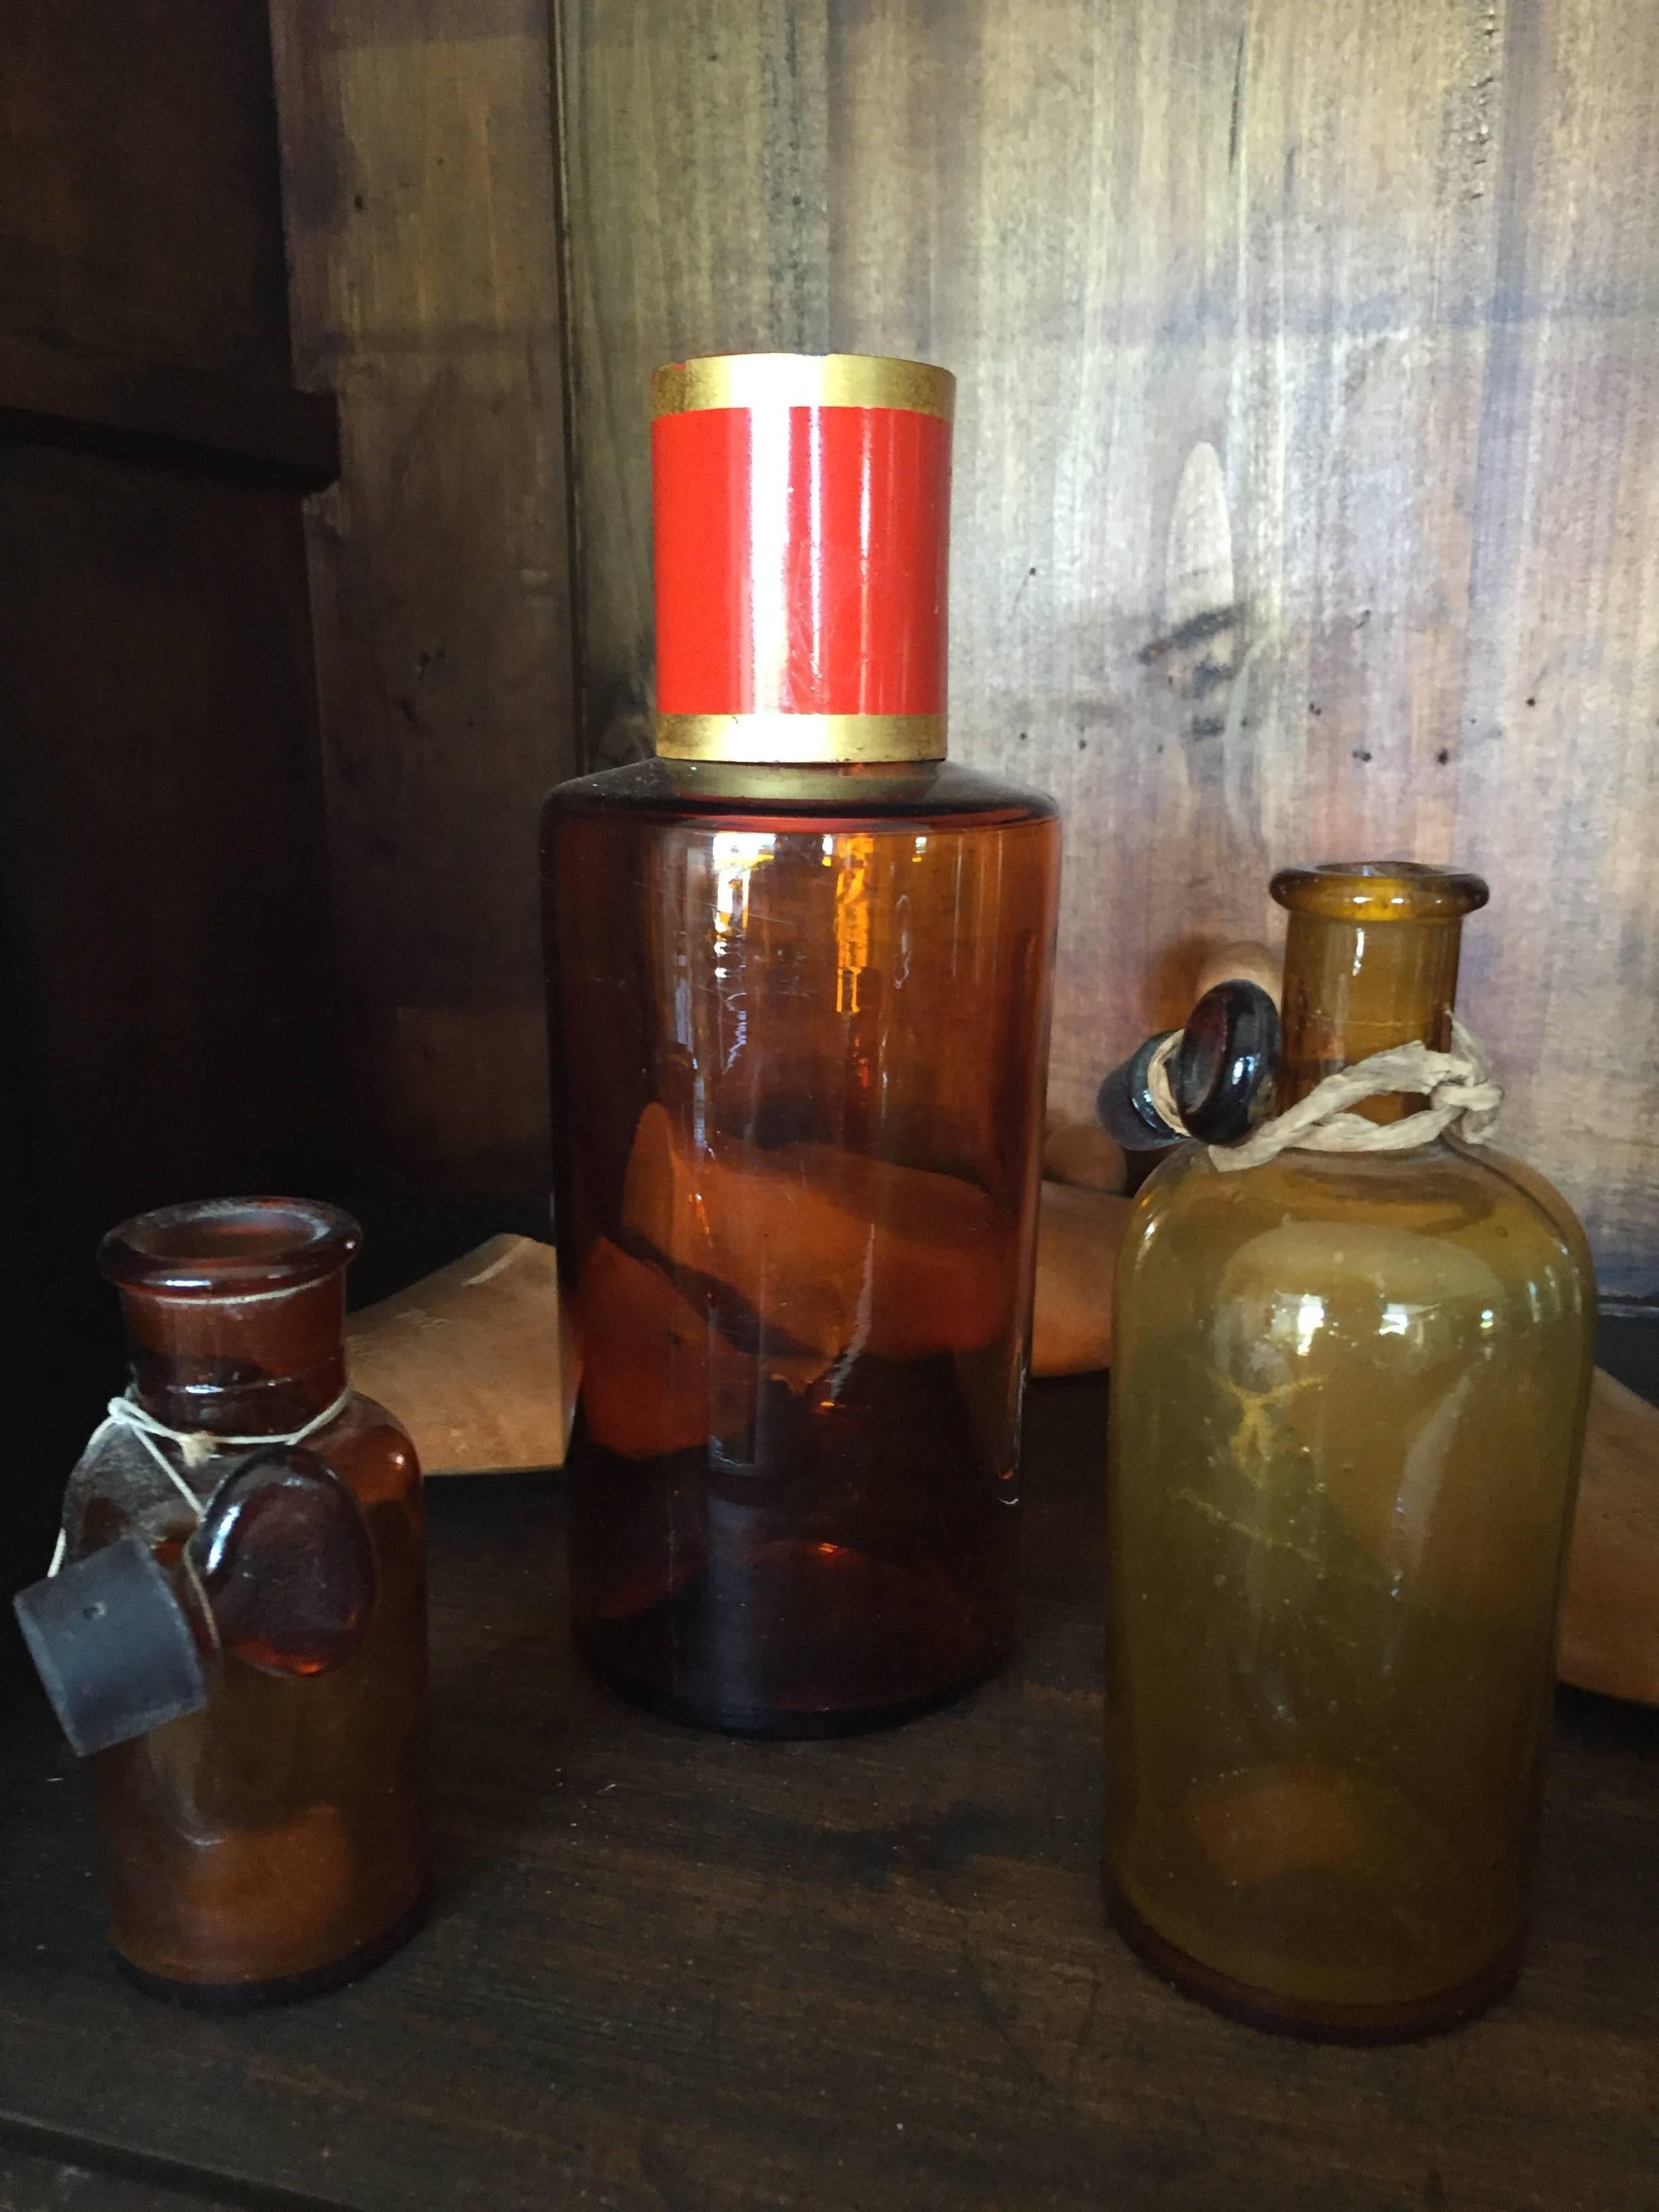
(1352, 988)
(254, 1366)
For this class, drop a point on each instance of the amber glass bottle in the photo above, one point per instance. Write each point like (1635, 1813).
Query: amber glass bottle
(273, 1843)
(1348, 1406)
(798, 1001)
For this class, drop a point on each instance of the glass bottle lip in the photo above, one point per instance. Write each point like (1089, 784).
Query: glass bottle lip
(1379, 890)
(229, 1248)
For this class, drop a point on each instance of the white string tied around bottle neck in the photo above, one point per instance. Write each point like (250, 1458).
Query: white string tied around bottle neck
(1463, 1101)
(195, 1446)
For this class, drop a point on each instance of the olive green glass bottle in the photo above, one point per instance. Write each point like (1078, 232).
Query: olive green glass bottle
(1348, 1407)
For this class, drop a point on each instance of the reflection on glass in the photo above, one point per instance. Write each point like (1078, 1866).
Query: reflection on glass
(1348, 1404)
(798, 1062)
(273, 1842)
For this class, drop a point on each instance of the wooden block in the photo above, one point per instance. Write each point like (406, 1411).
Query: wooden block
(1078, 1234)
(1610, 1615)
(1081, 1152)
(1255, 963)
(475, 1360)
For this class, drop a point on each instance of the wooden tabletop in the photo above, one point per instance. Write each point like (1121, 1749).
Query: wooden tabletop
(674, 1972)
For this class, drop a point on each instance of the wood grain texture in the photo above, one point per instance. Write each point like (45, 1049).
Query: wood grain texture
(138, 192)
(419, 199)
(163, 905)
(669, 1970)
(1306, 464)
(166, 1011)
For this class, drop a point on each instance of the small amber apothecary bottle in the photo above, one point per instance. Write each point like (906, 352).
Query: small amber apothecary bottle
(798, 989)
(1348, 1405)
(271, 1842)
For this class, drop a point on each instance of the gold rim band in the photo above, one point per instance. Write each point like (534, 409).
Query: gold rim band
(801, 738)
(802, 380)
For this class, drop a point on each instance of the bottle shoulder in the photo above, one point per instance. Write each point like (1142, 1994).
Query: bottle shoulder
(120, 1484)
(872, 794)
(1524, 1177)
(1398, 1208)
(372, 1451)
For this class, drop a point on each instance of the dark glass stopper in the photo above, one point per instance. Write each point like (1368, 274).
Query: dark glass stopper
(112, 1644)
(1220, 1075)
(1223, 1073)
(287, 1562)
(284, 1561)
(1123, 1105)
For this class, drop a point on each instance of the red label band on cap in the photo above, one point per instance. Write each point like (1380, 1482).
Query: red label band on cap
(800, 560)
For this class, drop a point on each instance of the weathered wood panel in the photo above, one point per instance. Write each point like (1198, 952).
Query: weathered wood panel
(164, 981)
(1308, 473)
(163, 902)
(420, 208)
(139, 191)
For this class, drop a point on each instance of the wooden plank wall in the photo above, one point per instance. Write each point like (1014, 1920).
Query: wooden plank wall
(1307, 451)
(166, 1026)
(166, 1002)
(418, 183)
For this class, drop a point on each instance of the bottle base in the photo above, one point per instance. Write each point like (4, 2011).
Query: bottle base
(790, 1636)
(281, 1989)
(1407, 2023)
(780, 1724)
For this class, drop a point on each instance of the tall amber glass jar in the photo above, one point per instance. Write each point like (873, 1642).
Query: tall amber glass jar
(273, 1843)
(798, 1002)
(1348, 1406)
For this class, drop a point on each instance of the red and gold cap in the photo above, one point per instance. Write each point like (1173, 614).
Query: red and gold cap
(802, 509)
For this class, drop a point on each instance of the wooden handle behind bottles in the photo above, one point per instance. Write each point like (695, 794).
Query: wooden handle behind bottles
(1610, 1615)
(474, 1361)
(1078, 1233)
